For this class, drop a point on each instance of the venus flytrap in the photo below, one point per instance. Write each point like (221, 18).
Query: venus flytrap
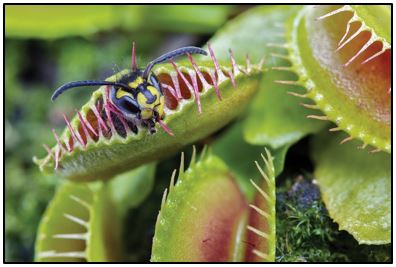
(342, 58)
(355, 187)
(204, 216)
(80, 224)
(83, 222)
(99, 142)
(336, 57)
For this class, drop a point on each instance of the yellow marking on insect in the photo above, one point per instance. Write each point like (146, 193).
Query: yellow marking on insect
(136, 82)
(120, 93)
(142, 100)
(153, 90)
(146, 114)
(160, 108)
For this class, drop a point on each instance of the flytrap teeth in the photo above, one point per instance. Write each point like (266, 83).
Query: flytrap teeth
(281, 68)
(276, 55)
(295, 94)
(316, 117)
(356, 33)
(364, 48)
(261, 63)
(268, 175)
(133, 59)
(71, 254)
(376, 150)
(195, 77)
(383, 50)
(362, 146)
(81, 202)
(170, 90)
(288, 83)
(192, 88)
(165, 128)
(60, 144)
(310, 106)
(335, 129)
(86, 126)
(48, 149)
(173, 179)
(361, 28)
(347, 139)
(258, 232)
(259, 211)
(248, 63)
(77, 220)
(101, 124)
(74, 134)
(74, 236)
(220, 74)
(235, 69)
(334, 12)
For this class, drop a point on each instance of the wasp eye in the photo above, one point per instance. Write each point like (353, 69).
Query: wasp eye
(125, 103)
(129, 104)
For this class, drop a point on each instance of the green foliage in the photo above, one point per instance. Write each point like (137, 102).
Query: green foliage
(57, 21)
(26, 196)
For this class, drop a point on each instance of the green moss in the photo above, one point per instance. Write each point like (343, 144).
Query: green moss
(305, 232)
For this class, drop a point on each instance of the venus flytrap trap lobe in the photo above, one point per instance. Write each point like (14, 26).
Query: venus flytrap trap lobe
(356, 188)
(79, 225)
(99, 142)
(216, 220)
(344, 69)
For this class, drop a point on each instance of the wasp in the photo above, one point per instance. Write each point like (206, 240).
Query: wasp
(137, 94)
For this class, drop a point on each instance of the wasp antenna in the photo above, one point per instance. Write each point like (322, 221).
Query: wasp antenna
(71, 85)
(134, 66)
(171, 55)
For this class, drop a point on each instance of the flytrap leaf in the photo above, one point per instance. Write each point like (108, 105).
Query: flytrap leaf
(274, 118)
(129, 189)
(342, 59)
(205, 216)
(356, 188)
(99, 142)
(231, 146)
(80, 224)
